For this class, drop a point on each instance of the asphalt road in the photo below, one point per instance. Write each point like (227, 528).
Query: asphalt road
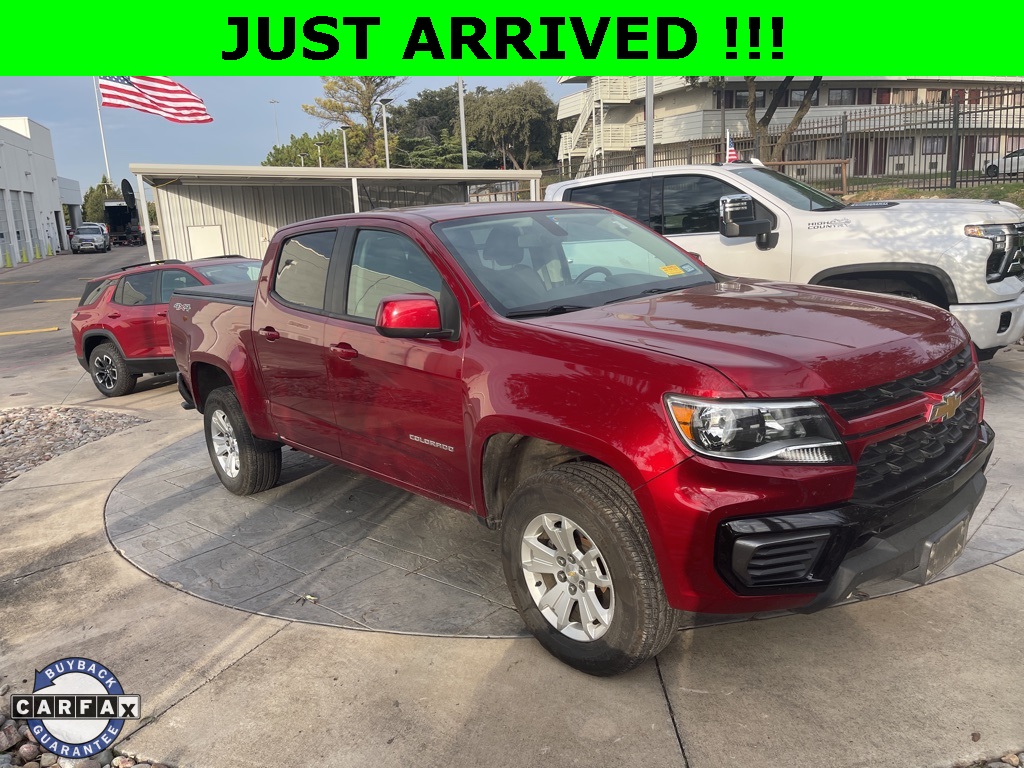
(42, 295)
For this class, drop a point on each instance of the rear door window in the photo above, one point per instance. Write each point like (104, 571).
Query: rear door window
(172, 279)
(630, 197)
(301, 274)
(136, 290)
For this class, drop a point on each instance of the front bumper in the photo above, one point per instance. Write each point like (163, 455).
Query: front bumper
(984, 321)
(912, 540)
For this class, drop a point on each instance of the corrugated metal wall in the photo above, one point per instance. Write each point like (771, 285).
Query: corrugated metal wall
(248, 215)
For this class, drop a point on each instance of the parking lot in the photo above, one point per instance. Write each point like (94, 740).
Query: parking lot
(925, 677)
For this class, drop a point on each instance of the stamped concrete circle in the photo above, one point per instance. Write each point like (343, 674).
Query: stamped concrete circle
(325, 545)
(334, 547)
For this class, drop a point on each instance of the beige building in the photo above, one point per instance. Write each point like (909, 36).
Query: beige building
(880, 125)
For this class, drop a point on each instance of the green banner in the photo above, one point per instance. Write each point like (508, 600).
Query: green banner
(530, 38)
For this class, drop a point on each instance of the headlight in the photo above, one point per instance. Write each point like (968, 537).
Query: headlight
(991, 231)
(796, 432)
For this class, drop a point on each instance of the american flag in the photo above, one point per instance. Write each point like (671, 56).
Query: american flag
(155, 95)
(731, 155)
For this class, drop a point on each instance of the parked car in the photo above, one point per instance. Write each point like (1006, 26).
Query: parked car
(1010, 163)
(961, 255)
(90, 237)
(120, 325)
(647, 434)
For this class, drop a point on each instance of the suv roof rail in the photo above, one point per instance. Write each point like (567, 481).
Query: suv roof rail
(225, 256)
(148, 263)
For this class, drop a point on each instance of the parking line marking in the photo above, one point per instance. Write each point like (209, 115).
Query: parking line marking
(46, 301)
(18, 282)
(34, 330)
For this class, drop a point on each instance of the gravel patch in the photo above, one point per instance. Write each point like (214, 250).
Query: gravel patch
(31, 436)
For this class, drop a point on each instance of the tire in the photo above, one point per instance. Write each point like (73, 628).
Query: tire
(73, 250)
(609, 601)
(244, 464)
(110, 371)
(992, 171)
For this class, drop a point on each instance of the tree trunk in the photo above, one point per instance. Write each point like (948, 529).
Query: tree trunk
(805, 105)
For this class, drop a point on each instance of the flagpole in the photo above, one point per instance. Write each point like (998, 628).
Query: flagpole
(103, 140)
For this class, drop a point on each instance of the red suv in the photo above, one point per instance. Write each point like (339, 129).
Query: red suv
(120, 326)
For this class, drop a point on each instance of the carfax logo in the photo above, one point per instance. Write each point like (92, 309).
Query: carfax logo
(77, 707)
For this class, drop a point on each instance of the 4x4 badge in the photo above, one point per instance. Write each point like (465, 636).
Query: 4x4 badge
(944, 408)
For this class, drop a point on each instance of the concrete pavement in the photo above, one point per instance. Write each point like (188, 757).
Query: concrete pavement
(901, 681)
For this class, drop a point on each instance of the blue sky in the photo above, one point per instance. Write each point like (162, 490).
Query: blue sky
(241, 134)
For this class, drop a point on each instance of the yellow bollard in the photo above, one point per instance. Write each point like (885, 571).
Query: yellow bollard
(49, 248)
(7, 260)
(38, 254)
(24, 256)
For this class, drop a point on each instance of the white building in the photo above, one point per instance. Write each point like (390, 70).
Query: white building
(31, 193)
(880, 125)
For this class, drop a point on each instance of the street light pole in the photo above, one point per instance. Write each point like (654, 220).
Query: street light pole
(319, 154)
(277, 129)
(384, 111)
(344, 141)
(462, 125)
(302, 158)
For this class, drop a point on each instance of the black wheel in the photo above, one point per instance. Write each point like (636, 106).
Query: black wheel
(580, 568)
(75, 250)
(244, 464)
(110, 372)
(992, 171)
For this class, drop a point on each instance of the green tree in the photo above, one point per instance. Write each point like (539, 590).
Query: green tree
(355, 102)
(332, 149)
(427, 115)
(518, 124)
(93, 200)
(446, 152)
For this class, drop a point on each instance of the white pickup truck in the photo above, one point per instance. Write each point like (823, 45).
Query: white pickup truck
(746, 220)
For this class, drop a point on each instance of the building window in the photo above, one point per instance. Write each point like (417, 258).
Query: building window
(883, 96)
(728, 97)
(936, 96)
(933, 145)
(904, 146)
(743, 98)
(797, 96)
(863, 95)
(904, 95)
(988, 144)
(841, 96)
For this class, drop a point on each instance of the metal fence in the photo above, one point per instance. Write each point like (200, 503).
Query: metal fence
(969, 139)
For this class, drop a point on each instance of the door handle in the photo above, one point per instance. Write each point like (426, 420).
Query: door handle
(344, 350)
(269, 333)
(114, 315)
(161, 314)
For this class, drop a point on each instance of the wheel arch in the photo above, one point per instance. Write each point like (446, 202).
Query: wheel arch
(937, 281)
(205, 378)
(508, 458)
(92, 339)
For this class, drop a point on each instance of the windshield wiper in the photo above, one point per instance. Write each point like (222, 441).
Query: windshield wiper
(558, 309)
(648, 292)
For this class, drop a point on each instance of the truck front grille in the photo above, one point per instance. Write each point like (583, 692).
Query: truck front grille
(852, 405)
(896, 468)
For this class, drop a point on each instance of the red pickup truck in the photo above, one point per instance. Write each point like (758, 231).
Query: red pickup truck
(648, 435)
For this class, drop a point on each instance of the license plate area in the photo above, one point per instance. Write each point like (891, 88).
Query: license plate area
(940, 553)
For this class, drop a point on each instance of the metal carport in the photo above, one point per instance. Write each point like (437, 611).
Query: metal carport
(212, 210)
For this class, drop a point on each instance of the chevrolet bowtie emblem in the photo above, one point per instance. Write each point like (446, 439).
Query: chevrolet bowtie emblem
(944, 407)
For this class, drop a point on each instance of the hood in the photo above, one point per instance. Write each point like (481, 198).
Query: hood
(780, 340)
(958, 211)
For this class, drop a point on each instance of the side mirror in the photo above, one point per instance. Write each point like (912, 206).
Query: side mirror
(410, 316)
(736, 217)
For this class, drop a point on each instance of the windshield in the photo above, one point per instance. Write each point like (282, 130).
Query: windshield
(561, 260)
(89, 231)
(796, 193)
(231, 272)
